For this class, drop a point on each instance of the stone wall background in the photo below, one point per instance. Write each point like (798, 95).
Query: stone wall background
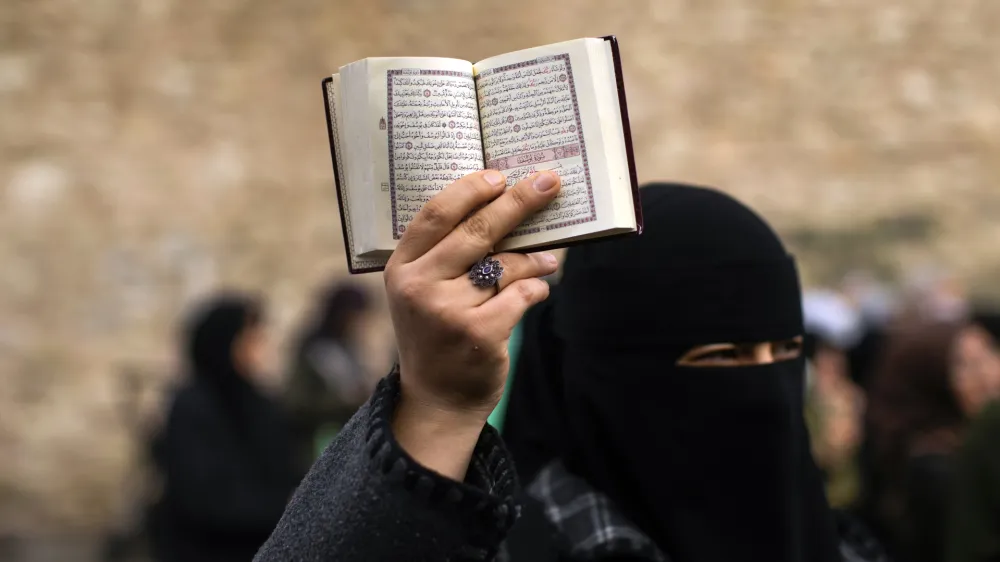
(153, 149)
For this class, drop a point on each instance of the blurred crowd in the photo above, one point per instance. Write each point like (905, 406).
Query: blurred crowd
(230, 447)
(901, 389)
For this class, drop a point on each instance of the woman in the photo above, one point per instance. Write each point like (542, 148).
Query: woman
(327, 382)
(680, 377)
(932, 382)
(224, 453)
(975, 505)
(684, 422)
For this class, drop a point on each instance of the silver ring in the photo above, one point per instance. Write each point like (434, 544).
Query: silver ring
(486, 273)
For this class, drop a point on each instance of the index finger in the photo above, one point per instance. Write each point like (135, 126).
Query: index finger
(480, 232)
(444, 211)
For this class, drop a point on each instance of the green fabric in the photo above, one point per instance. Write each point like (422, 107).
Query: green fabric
(513, 349)
(324, 435)
(975, 512)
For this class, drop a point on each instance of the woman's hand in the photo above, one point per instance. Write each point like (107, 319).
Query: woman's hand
(452, 335)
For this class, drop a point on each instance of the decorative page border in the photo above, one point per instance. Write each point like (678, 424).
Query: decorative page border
(396, 234)
(579, 131)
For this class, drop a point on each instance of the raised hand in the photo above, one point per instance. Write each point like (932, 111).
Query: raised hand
(452, 334)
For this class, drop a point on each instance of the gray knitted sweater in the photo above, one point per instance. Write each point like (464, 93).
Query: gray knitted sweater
(366, 500)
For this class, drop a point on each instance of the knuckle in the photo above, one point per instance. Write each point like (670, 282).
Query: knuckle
(406, 287)
(519, 198)
(515, 267)
(432, 213)
(539, 263)
(478, 189)
(482, 187)
(527, 290)
(543, 290)
(508, 263)
(392, 272)
(477, 228)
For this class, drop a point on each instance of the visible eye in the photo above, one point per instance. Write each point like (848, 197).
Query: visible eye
(788, 349)
(711, 355)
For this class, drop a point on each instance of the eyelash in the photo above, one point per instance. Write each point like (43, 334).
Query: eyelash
(720, 354)
(791, 347)
(733, 354)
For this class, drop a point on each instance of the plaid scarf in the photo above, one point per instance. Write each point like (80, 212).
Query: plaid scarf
(592, 529)
(590, 526)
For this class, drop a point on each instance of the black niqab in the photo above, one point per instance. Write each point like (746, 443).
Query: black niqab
(711, 463)
(211, 337)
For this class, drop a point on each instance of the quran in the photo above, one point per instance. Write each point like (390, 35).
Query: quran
(403, 128)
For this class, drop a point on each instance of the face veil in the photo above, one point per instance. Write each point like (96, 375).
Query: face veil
(711, 463)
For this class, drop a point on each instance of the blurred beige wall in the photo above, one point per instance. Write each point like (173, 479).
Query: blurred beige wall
(152, 149)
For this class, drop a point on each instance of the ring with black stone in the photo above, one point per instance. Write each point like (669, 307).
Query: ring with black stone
(486, 273)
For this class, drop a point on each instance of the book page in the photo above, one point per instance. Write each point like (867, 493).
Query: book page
(431, 133)
(539, 111)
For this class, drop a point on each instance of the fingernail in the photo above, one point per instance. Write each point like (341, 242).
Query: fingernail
(550, 259)
(495, 178)
(544, 181)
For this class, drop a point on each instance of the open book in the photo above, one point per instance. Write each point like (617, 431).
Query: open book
(401, 129)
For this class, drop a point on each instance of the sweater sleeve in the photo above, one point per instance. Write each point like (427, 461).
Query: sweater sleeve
(367, 500)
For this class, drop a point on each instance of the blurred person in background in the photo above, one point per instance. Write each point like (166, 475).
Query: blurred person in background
(932, 381)
(975, 370)
(974, 525)
(225, 454)
(879, 310)
(834, 323)
(327, 381)
(834, 413)
(875, 309)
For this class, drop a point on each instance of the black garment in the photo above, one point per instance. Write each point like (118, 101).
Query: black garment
(366, 500)
(974, 514)
(712, 464)
(224, 453)
(533, 426)
(928, 491)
